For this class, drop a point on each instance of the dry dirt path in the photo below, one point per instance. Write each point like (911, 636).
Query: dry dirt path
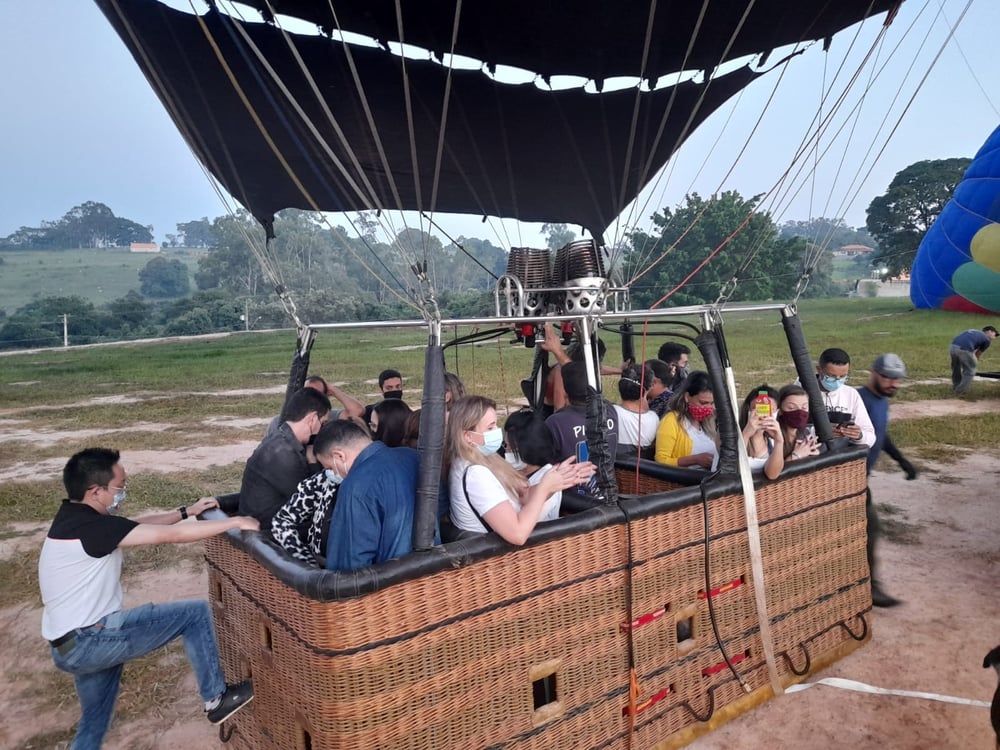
(942, 558)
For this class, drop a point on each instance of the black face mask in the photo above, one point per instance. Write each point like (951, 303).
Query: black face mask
(398, 395)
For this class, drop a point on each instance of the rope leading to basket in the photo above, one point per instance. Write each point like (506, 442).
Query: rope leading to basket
(633, 679)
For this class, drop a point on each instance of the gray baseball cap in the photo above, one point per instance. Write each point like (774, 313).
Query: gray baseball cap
(889, 366)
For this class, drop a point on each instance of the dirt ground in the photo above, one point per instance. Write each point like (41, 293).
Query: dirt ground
(941, 556)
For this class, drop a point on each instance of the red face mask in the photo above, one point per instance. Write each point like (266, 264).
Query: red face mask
(796, 419)
(700, 413)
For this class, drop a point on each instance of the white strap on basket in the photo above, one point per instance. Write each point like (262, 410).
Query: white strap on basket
(753, 540)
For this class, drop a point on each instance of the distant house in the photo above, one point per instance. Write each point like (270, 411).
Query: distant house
(144, 247)
(854, 250)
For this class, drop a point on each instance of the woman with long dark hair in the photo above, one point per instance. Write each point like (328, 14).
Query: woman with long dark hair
(687, 437)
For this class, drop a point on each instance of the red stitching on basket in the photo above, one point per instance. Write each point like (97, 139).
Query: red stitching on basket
(735, 583)
(708, 671)
(643, 620)
(640, 707)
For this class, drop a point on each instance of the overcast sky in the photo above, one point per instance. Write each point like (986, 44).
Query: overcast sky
(80, 123)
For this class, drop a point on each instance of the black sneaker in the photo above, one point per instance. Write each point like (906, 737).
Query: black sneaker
(231, 701)
(882, 599)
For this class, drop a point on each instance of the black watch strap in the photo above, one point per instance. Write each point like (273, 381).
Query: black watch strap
(183, 511)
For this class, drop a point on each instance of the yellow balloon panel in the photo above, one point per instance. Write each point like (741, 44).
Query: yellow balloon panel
(985, 246)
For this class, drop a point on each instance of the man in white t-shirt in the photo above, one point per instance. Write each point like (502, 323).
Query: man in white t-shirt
(848, 415)
(79, 574)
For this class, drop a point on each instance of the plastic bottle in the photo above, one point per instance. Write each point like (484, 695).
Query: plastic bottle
(762, 404)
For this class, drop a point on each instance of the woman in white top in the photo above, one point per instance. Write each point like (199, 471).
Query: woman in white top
(487, 493)
(637, 423)
(762, 433)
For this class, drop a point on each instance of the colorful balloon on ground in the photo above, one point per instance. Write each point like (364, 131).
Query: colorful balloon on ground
(958, 264)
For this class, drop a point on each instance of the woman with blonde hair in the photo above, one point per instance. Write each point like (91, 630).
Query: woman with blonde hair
(487, 493)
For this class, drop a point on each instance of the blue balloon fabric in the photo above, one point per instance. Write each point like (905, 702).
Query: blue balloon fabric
(958, 263)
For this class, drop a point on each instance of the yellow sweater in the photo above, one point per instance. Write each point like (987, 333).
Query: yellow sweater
(672, 440)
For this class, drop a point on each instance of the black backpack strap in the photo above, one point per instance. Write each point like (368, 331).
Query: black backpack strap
(465, 488)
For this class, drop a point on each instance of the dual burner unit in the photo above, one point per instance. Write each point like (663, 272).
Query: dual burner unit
(574, 282)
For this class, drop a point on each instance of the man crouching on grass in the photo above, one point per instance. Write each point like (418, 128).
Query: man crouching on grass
(79, 573)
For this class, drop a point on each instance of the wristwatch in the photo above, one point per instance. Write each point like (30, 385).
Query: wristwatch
(183, 511)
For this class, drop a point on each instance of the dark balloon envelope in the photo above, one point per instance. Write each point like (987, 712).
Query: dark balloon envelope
(957, 266)
(507, 150)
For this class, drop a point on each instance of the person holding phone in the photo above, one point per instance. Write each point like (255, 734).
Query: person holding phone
(569, 424)
(799, 437)
(487, 492)
(848, 415)
(761, 431)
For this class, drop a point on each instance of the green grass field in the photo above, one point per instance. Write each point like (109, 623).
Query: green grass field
(95, 275)
(756, 341)
(66, 398)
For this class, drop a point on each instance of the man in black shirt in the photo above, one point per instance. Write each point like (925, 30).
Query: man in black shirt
(281, 461)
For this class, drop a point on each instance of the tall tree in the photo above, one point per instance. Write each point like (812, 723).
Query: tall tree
(899, 219)
(557, 235)
(694, 231)
(196, 233)
(230, 264)
(164, 278)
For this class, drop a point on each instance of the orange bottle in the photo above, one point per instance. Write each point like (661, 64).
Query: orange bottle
(762, 404)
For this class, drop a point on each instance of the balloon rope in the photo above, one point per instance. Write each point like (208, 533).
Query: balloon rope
(291, 173)
(370, 197)
(503, 379)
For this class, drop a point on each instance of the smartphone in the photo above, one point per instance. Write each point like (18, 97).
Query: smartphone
(582, 452)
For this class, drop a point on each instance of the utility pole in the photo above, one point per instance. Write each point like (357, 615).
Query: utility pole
(246, 313)
(65, 330)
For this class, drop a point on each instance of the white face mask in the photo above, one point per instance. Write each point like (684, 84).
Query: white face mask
(514, 460)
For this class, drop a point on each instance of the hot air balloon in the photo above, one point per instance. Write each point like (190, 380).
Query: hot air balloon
(957, 266)
(639, 617)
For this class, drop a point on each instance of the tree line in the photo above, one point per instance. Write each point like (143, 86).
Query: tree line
(359, 273)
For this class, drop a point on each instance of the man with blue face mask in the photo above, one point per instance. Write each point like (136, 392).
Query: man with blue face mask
(848, 415)
(90, 634)
(372, 519)
(302, 525)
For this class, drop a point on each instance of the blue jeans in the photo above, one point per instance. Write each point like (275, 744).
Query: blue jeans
(963, 368)
(102, 649)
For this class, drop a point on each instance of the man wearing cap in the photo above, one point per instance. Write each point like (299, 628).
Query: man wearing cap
(966, 350)
(883, 381)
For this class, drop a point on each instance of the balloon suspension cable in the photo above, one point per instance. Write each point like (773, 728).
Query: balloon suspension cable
(727, 291)
(425, 292)
(289, 304)
(800, 287)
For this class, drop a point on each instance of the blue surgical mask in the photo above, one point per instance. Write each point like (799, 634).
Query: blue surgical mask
(831, 384)
(116, 502)
(492, 440)
(333, 476)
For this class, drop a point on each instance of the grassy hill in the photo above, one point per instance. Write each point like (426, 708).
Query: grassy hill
(97, 275)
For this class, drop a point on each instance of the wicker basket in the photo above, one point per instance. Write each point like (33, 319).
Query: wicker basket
(532, 647)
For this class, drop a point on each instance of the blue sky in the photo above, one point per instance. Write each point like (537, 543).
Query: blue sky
(80, 123)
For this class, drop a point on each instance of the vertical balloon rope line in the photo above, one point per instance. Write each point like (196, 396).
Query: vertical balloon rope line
(277, 153)
(370, 198)
(503, 380)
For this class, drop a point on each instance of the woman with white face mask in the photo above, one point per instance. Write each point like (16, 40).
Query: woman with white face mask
(487, 492)
(531, 449)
